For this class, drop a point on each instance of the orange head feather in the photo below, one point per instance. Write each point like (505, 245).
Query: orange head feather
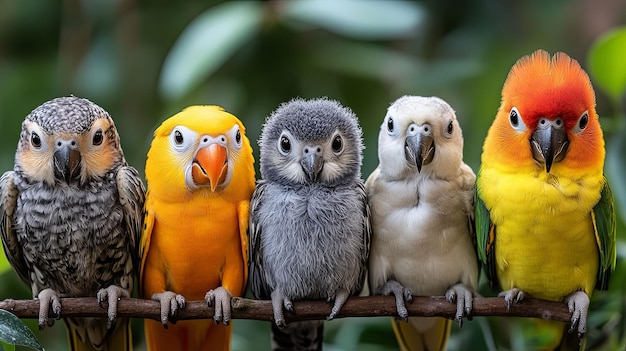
(546, 91)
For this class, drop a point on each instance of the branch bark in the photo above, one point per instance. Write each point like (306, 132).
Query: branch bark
(366, 306)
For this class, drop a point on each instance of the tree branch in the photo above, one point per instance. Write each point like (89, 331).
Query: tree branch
(367, 306)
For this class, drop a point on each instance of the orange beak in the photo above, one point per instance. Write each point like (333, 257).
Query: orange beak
(210, 166)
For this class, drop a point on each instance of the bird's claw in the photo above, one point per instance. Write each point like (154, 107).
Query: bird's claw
(578, 305)
(464, 298)
(279, 300)
(402, 295)
(47, 298)
(170, 303)
(220, 298)
(513, 295)
(340, 299)
(112, 295)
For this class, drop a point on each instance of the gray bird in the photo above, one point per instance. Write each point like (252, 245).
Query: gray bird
(70, 216)
(309, 217)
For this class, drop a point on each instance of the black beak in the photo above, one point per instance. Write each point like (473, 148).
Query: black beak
(312, 162)
(549, 142)
(419, 150)
(67, 161)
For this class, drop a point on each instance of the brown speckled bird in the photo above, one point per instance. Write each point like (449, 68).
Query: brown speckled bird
(70, 216)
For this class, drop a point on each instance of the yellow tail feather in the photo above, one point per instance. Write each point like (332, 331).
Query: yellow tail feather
(118, 339)
(422, 333)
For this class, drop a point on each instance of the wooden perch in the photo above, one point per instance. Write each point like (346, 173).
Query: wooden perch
(367, 306)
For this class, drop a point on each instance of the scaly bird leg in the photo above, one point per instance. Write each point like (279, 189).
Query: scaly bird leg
(578, 304)
(112, 294)
(510, 295)
(401, 293)
(340, 298)
(464, 298)
(220, 298)
(279, 300)
(170, 303)
(47, 298)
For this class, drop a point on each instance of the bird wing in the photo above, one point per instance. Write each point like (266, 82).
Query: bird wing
(132, 195)
(258, 285)
(485, 237)
(144, 243)
(367, 233)
(8, 203)
(603, 217)
(244, 235)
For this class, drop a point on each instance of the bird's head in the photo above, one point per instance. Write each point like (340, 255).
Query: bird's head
(311, 141)
(547, 118)
(201, 148)
(420, 134)
(68, 140)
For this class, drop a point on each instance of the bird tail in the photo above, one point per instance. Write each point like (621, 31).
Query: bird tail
(91, 334)
(302, 336)
(422, 333)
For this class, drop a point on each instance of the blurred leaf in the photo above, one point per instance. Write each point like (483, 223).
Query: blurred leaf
(606, 62)
(4, 264)
(13, 331)
(207, 42)
(616, 168)
(358, 19)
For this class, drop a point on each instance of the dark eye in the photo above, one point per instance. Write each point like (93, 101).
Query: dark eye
(35, 140)
(285, 144)
(584, 120)
(238, 137)
(450, 127)
(514, 118)
(178, 137)
(97, 138)
(390, 126)
(337, 144)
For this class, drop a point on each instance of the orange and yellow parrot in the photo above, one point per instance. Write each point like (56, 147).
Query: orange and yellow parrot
(544, 210)
(200, 176)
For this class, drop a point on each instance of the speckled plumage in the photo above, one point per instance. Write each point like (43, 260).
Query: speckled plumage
(74, 236)
(309, 220)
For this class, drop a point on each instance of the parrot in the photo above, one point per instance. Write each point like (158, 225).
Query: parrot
(545, 218)
(200, 178)
(309, 215)
(421, 198)
(71, 215)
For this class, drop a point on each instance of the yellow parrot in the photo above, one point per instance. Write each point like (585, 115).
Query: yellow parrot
(545, 220)
(200, 176)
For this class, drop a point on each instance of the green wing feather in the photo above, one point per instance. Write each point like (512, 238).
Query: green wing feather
(603, 217)
(485, 237)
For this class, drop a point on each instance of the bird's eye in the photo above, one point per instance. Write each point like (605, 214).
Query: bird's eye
(390, 125)
(238, 137)
(450, 127)
(35, 140)
(516, 120)
(583, 121)
(337, 144)
(284, 144)
(178, 137)
(97, 138)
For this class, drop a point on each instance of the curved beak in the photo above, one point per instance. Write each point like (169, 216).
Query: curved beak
(210, 166)
(312, 164)
(66, 163)
(549, 144)
(419, 150)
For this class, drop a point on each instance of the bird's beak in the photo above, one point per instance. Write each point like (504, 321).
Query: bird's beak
(210, 166)
(549, 144)
(312, 164)
(419, 150)
(66, 163)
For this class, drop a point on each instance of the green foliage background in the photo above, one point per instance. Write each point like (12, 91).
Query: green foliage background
(146, 60)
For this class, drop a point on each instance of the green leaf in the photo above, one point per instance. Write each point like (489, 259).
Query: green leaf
(13, 331)
(206, 43)
(4, 263)
(374, 19)
(606, 62)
